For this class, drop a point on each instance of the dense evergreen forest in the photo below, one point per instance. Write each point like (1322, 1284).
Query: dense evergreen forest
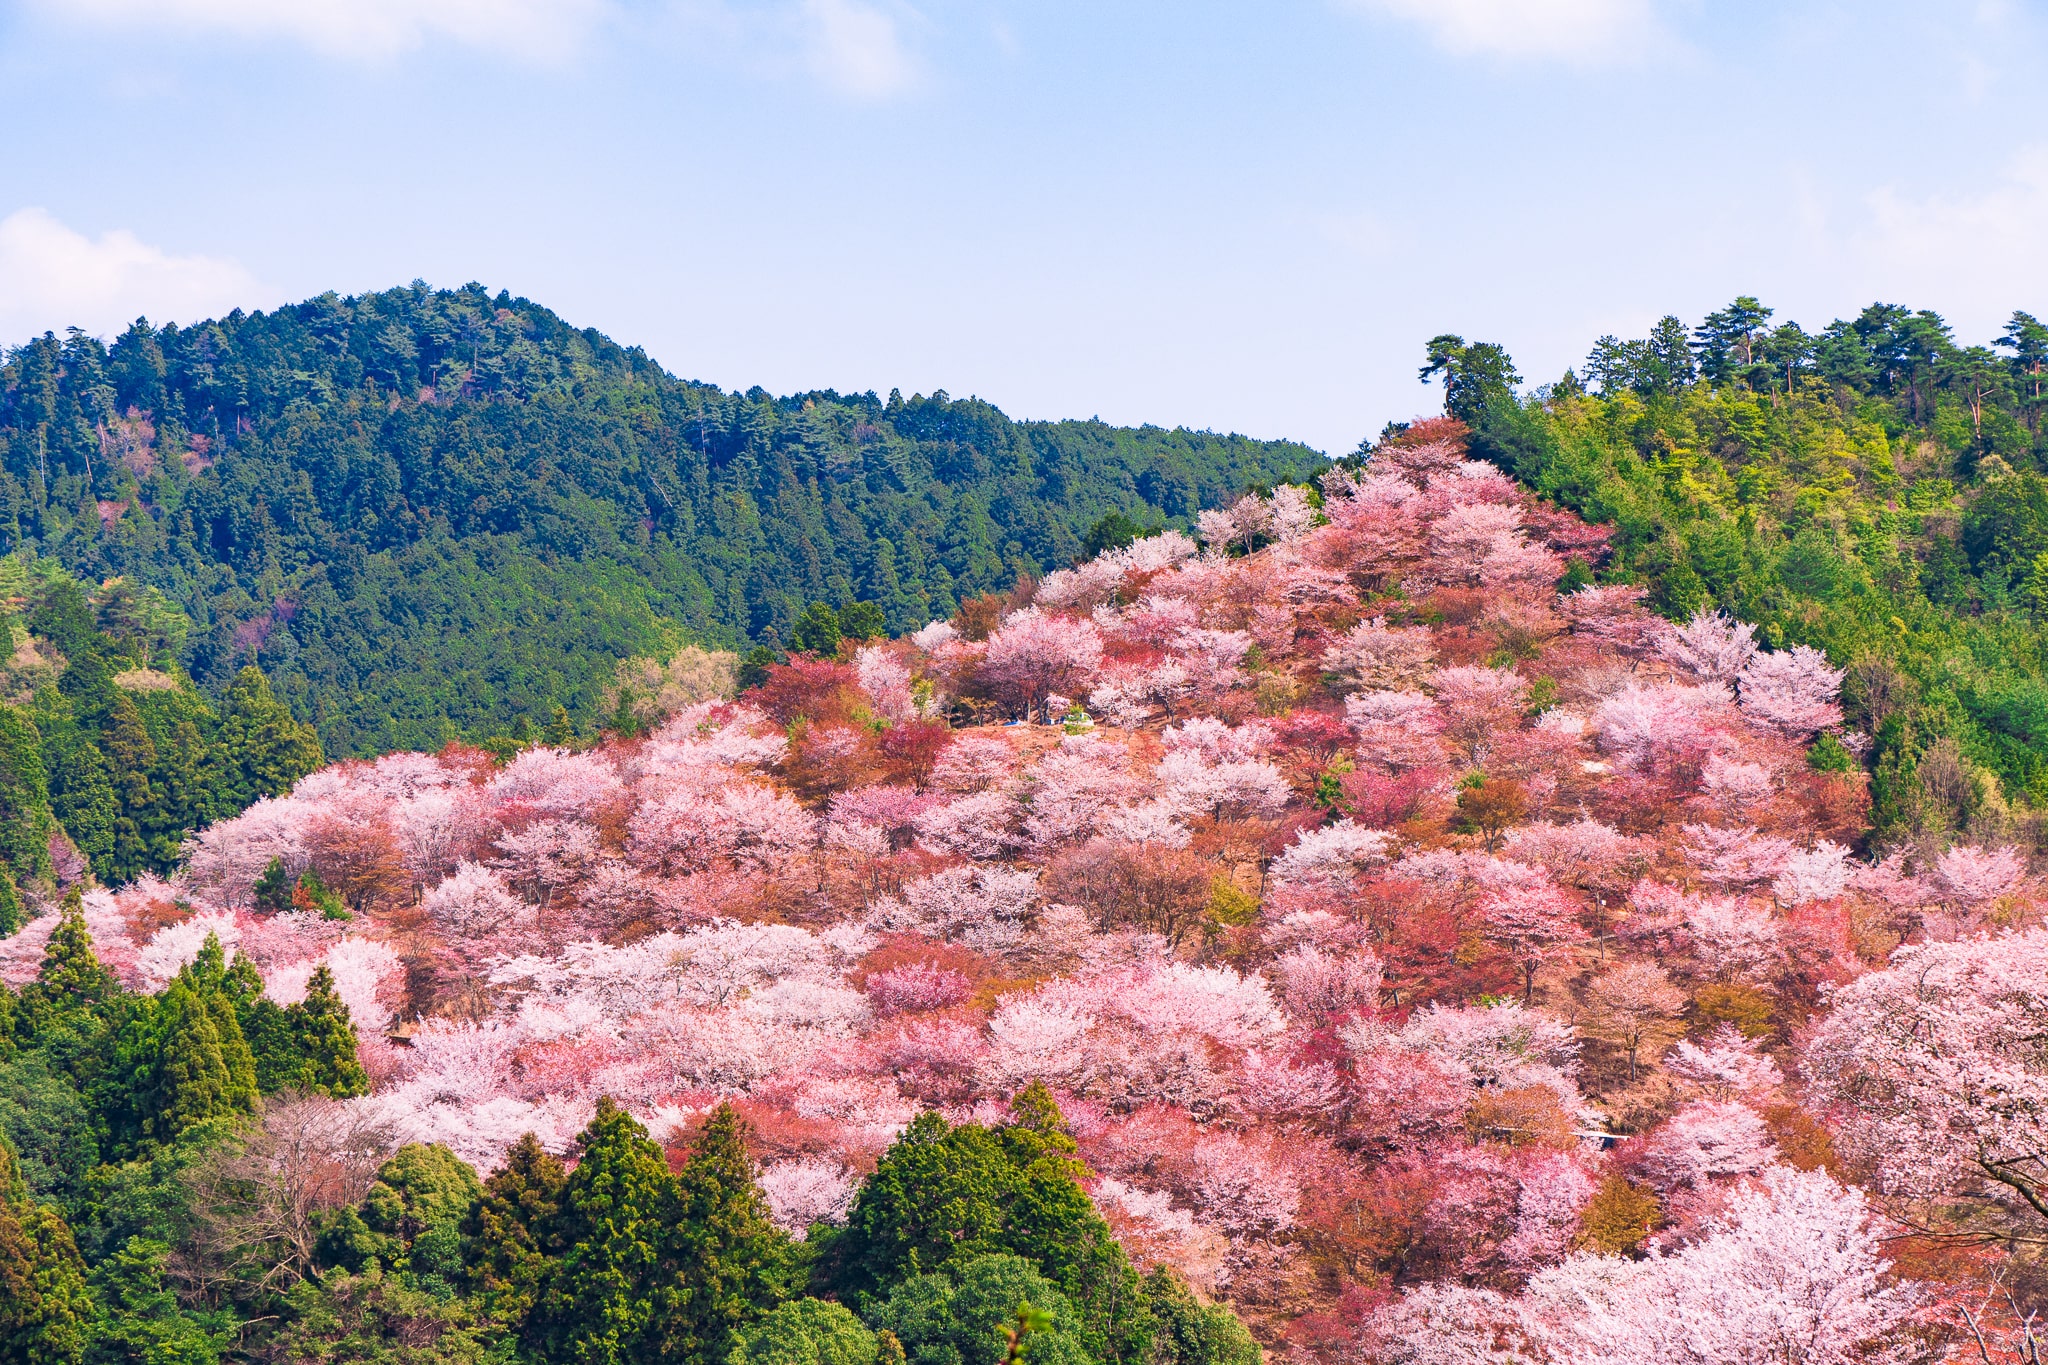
(436, 514)
(1874, 489)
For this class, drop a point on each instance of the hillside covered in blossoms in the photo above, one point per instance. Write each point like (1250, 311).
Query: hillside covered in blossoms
(1361, 933)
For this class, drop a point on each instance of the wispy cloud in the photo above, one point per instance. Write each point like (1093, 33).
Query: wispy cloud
(1585, 31)
(536, 30)
(1976, 249)
(857, 49)
(53, 277)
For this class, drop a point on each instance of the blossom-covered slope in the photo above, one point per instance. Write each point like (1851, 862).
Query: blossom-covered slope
(1435, 964)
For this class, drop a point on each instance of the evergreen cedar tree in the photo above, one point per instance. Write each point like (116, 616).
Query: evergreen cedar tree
(807, 1332)
(510, 1236)
(46, 1307)
(944, 1195)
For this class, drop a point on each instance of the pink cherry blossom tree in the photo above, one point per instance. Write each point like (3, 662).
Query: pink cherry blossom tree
(1967, 876)
(1534, 923)
(1935, 1065)
(1373, 655)
(1795, 1271)
(1710, 648)
(1034, 654)
(1396, 730)
(1477, 704)
(1792, 691)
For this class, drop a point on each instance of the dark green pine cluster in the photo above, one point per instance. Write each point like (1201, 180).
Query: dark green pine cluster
(968, 1244)
(108, 1101)
(432, 514)
(1877, 489)
(107, 750)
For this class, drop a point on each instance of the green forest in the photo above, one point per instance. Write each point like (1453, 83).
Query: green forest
(1874, 489)
(179, 1186)
(109, 754)
(430, 515)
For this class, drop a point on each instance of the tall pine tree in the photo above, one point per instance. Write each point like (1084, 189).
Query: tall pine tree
(130, 755)
(202, 1068)
(84, 800)
(259, 749)
(11, 914)
(726, 1262)
(308, 1046)
(508, 1237)
(180, 1058)
(71, 985)
(25, 816)
(45, 1306)
(597, 1304)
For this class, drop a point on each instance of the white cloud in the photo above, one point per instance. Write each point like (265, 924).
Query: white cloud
(1571, 30)
(52, 277)
(541, 30)
(856, 49)
(1976, 255)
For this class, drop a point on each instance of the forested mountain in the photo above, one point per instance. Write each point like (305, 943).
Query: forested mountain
(1874, 489)
(430, 514)
(1356, 940)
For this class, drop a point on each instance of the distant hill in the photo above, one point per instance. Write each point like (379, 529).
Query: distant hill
(1876, 488)
(430, 513)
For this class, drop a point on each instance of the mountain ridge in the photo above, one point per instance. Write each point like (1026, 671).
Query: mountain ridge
(430, 514)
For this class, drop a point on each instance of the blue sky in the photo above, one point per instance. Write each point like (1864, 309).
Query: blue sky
(1239, 216)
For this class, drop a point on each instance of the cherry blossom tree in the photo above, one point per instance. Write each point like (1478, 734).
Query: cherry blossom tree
(1704, 1141)
(1968, 876)
(1330, 857)
(1795, 1271)
(1735, 788)
(1648, 727)
(1726, 1065)
(1818, 874)
(1073, 786)
(1374, 656)
(803, 1192)
(981, 825)
(1318, 984)
(1230, 789)
(885, 679)
(1792, 691)
(1629, 1004)
(1934, 1062)
(1477, 704)
(1735, 858)
(175, 946)
(1584, 853)
(973, 763)
(1613, 618)
(1033, 654)
(1396, 730)
(1534, 922)
(1711, 647)
(474, 902)
(225, 859)
(915, 987)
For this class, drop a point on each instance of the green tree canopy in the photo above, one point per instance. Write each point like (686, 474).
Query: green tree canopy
(943, 1195)
(598, 1304)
